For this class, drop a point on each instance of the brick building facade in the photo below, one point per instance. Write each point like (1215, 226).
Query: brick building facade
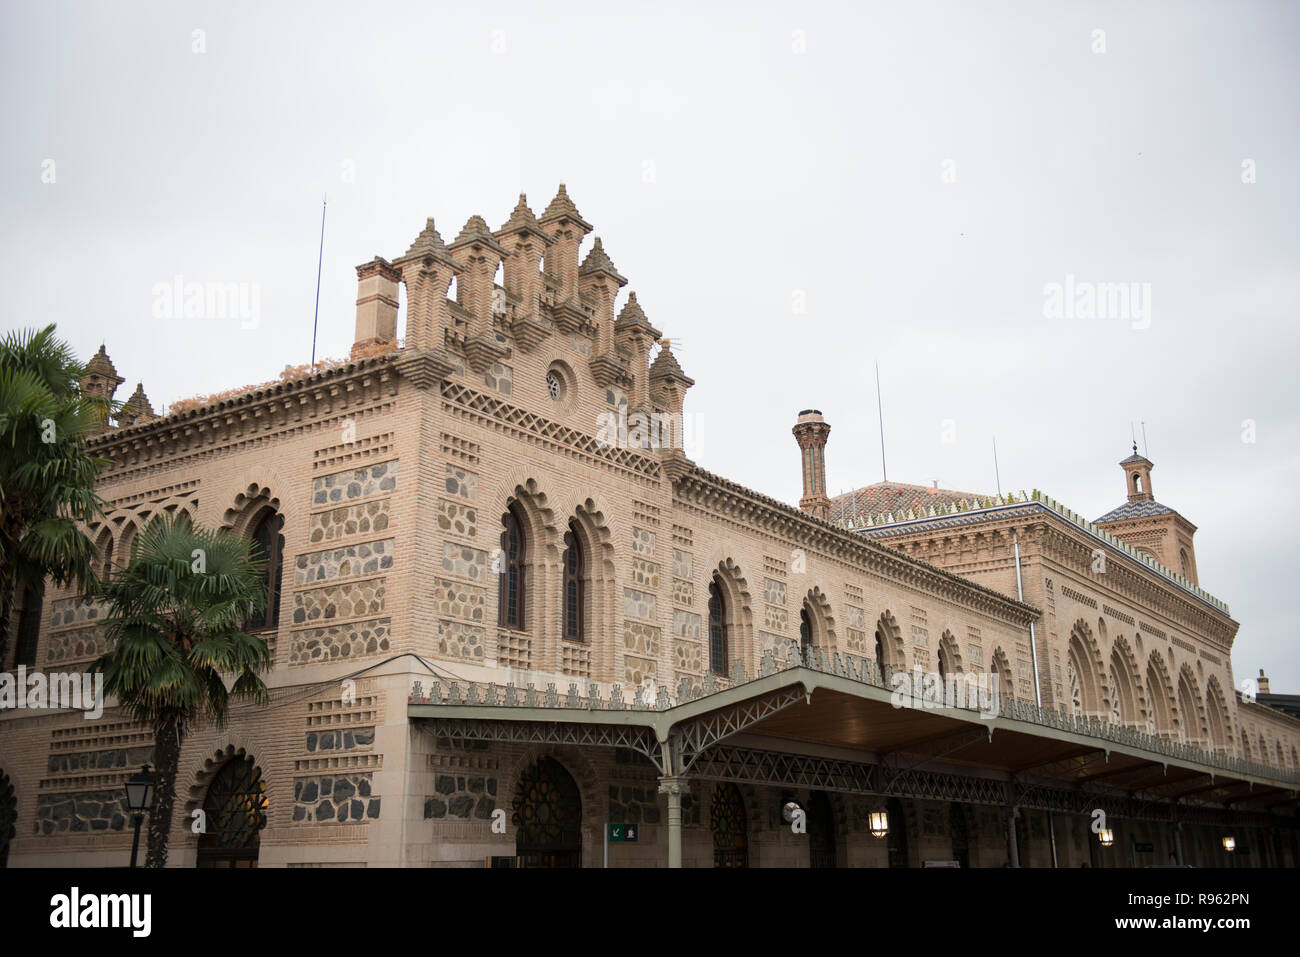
(503, 625)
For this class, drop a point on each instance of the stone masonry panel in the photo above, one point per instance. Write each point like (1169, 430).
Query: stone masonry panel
(355, 640)
(334, 799)
(354, 483)
(457, 519)
(459, 640)
(464, 561)
(364, 559)
(348, 520)
(351, 600)
(458, 600)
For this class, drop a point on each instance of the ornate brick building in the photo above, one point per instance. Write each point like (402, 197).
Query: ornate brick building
(500, 627)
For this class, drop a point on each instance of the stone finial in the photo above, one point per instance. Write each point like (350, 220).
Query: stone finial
(598, 261)
(476, 231)
(632, 319)
(428, 243)
(522, 220)
(561, 208)
(666, 367)
(137, 408)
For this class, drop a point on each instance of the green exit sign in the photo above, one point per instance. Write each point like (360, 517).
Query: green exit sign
(1143, 848)
(623, 833)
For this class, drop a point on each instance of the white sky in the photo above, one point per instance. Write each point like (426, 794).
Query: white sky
(773, 172)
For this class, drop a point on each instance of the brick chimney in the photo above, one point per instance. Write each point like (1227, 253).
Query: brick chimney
(1261, 683)
(376, 303)
(811, 431)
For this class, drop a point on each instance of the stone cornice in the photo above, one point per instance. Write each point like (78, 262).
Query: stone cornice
(1073, 546)
(721, 496)
(257, 411)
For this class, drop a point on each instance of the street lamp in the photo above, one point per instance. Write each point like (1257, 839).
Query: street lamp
(1106, 836)
(879, 821)
(1229, 844)
(139, 798)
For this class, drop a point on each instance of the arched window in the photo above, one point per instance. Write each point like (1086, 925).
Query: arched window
(805, 632)
(235, 810)
(268, 546)
(510, 595)
(29, 626)
(108, 559)
(717, 630)
(574, 572)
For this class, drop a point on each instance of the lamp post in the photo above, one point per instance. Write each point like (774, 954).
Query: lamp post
(139, 798)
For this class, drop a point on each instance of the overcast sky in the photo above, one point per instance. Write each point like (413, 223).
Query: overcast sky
(912, 176)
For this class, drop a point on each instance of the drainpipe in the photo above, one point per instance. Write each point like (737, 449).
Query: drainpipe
(1038, 691)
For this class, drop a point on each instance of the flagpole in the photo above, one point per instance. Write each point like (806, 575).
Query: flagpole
(319, 262)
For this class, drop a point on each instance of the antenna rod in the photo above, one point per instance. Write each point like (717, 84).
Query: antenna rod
(1144, 439)
(880, 408)
(996, 473)
(319, 262)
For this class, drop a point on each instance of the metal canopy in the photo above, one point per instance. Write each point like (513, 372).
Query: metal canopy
(802, 726)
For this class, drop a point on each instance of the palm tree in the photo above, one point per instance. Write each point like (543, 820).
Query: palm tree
(47, 478)
(176, 622)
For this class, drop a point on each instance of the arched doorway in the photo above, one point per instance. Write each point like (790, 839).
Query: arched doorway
(960, 836)
(8, 817)
(730, 827)
(234, 815)
(821, 831)
(897, 833)
(548, 814)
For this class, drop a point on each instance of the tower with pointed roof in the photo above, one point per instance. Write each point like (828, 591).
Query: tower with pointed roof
(101, 380)
(1150, 527)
